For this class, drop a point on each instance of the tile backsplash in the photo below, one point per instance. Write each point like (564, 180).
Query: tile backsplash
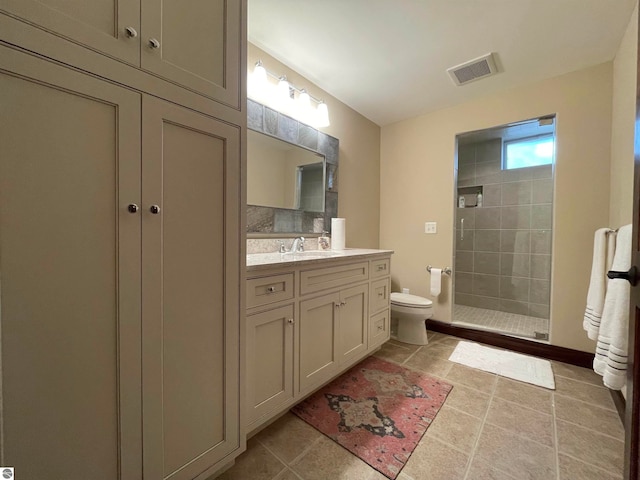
(271, 245)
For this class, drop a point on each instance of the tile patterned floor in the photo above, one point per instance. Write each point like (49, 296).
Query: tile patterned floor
(490, 428)
(503, 322)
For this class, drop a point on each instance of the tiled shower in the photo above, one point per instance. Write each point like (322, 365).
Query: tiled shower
(503, 247)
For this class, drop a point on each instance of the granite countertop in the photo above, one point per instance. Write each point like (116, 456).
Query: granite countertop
(260, 261)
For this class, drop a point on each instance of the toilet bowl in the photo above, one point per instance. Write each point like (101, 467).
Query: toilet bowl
(410, 313)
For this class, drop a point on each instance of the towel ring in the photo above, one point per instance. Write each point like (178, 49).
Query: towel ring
(445, 270)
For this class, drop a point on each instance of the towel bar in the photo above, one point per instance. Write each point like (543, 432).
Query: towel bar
(445, 270)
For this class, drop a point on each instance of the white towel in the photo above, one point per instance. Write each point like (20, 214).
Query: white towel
(602, 249)
(611, 349)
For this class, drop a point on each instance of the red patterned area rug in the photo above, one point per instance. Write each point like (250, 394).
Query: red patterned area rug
(378, 411)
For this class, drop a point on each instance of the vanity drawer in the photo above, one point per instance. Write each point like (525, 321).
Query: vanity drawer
(266, 290)
(379, 325)
(379, 295)
(324, 278)
(381, 267)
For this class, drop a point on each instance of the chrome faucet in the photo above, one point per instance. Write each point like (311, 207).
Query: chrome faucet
(297, 245)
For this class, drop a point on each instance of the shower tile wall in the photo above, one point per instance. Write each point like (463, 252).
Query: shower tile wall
(503, 261)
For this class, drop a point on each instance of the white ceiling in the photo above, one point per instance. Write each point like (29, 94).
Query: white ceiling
(387, 59)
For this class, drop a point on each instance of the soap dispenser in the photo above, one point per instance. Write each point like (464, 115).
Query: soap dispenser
(479, 199)
(323, 241)
(461, 201)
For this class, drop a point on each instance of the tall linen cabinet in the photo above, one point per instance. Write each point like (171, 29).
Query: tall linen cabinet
(121, 238)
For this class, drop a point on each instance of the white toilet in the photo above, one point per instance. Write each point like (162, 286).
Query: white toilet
(409, 313)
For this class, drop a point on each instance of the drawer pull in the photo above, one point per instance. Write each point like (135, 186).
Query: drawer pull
(271, 289)
(380, 327)
(381, 294)
(382, 267)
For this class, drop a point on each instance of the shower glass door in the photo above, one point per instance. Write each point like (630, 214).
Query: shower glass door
(504, 228)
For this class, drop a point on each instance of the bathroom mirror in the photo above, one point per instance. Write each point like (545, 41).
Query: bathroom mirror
(283, 175)
(292, 175)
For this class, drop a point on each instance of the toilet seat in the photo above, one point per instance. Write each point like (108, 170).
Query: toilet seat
(408, 300)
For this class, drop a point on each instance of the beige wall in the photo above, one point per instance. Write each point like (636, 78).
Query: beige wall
(417, 185)
(359, 167)
(622, 126)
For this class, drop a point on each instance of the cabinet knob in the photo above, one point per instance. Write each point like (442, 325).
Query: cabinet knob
(155, 209)
(291, 321)
(342, 304)
(131, 32)
(133, 208)
(153, 43)
(271, 289)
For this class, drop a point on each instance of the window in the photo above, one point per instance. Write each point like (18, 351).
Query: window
(528, 152)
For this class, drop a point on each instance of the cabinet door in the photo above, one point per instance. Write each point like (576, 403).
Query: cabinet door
(196, 44)
(269, 360)
(318, 339)
(70, 263)
(352, 330)
(99, 24)
(190, 285)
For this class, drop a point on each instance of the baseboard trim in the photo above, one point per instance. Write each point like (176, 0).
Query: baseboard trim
(550, 352)
(620, 403)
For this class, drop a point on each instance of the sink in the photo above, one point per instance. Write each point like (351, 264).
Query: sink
(311, 254)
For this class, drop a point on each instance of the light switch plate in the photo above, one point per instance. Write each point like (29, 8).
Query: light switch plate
(430, 227)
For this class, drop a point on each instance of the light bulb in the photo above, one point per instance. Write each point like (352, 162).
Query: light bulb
(282, 99)
(258, 84)
(283, 89)
(303, 107)
(260, 73)
(304, 100)
(323, 115)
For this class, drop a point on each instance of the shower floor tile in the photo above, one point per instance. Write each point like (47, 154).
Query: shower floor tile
(510, 323)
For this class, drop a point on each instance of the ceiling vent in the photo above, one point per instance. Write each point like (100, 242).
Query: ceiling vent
(473, 70)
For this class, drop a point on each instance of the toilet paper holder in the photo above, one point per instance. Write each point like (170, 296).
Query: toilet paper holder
(445, 270)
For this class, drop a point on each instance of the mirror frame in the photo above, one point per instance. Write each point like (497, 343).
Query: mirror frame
(265, 222)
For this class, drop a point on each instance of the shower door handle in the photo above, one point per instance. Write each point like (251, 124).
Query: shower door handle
(461, 229)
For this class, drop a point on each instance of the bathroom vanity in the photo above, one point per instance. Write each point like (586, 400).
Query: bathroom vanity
(310, 316)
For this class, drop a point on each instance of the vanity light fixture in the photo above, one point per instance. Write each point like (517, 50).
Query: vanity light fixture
(260, 73)
(257, 81)
(284, 91)
(323, 115)
(304, 100)
(286, 97)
